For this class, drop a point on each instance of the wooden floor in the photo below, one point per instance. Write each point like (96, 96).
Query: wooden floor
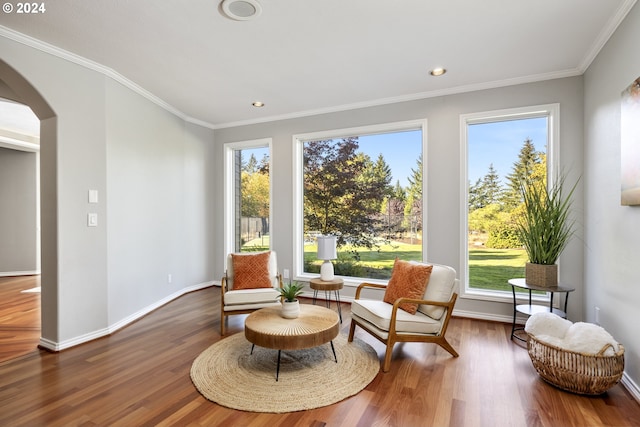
(139, 376)
(19, 316)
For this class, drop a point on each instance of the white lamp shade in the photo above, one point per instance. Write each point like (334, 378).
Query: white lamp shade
(327, 247)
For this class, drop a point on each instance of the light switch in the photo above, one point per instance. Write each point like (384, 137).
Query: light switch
(93, 196)
(92, 220)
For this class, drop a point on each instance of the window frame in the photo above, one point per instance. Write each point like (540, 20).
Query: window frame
(230, 188)
(552, 113)
(298, 186)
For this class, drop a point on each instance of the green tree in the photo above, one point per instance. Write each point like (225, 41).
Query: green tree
(522, 170)
(486, 191)
(342, 191)
(251, 165)
(491, 186)
(413, 206)
(255, 194)
(476, 196)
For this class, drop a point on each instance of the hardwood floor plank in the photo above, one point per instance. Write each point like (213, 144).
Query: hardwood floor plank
(139, 376)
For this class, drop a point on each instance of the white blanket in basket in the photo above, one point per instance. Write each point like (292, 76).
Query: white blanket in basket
(579, 337)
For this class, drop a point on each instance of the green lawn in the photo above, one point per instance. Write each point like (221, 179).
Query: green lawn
(488, 268)
(492, 268)
(373, 264)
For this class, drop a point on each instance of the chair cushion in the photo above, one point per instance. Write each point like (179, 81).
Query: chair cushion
(378, 313)
(251, 296)
(442, 285)
(408, 280)
(251, 271)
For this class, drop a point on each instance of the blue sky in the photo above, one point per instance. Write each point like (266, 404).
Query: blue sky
(500, 143)
(497, 142)
(399, 149)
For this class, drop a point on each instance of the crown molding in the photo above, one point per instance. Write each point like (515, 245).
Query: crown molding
(410, 97)
(606, 34)
(99, 68)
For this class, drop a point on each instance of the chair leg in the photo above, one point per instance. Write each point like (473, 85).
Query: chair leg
(445, 344)
(352, 329)
(387, 356)
(223, 319)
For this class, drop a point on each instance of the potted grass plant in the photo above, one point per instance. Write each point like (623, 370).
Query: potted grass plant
(290, 304)
(545, 228)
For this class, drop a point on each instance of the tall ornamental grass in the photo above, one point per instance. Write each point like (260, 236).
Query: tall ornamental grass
(545, 228)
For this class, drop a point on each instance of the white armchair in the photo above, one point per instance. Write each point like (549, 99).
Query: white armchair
(390, 324)
(259, 288)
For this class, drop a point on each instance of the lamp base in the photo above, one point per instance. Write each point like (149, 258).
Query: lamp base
(326, 271)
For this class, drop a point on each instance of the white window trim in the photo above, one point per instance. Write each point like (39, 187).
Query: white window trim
(229, 188)
(552, 112)
(298, 187)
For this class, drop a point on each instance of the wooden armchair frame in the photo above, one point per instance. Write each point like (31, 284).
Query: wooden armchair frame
(224, 314)
(394, 337)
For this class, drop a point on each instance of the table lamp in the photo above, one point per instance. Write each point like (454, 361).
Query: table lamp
(327, 252)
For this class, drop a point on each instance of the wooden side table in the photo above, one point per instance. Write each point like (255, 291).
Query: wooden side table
(530, 309)
(327, 286)
(313, 327)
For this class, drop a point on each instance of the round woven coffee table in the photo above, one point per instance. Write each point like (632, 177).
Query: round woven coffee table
(315, 326)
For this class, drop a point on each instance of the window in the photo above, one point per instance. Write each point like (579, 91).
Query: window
(247, 196)
(365, 186)
(500, 149)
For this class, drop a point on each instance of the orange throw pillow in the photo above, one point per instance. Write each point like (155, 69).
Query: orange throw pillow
(251, 271)
(407, 281)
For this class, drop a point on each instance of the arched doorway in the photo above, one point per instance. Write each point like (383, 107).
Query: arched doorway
(19, 228)
(15, 87)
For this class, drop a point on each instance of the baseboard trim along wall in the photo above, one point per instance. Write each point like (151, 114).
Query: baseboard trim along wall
(18, 273)
(59, 346)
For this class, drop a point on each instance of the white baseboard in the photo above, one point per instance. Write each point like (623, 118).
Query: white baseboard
(54, 346)
(631, 386)
(19, 273)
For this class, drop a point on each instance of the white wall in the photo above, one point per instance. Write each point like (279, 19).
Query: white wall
(157, 192)
(149, 162)
(612, 237)
(443, 171)
(18, 212)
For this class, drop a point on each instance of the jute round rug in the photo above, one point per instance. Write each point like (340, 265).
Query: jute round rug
(227, 374)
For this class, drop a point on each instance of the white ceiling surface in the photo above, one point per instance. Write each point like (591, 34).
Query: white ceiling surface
(18, 119)
(305, 57)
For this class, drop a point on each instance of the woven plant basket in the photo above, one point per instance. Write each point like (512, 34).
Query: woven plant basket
(576, 372)
(541, 275)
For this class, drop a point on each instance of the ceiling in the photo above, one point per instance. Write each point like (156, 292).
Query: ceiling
(303, 57)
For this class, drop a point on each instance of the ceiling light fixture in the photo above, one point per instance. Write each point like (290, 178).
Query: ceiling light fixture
(437, 71)
(241, 10)
(258, 104)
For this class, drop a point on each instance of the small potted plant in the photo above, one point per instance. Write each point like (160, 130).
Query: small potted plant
(290, 304)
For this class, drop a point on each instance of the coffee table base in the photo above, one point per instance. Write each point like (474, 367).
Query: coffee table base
(333, 349)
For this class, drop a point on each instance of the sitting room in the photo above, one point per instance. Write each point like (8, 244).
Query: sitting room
(247, 212)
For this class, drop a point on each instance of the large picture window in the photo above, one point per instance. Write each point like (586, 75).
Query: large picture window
(502, 149)
(364, 186)
(247, 196)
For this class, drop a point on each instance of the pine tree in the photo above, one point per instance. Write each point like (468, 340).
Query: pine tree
(491, 186)
(522, 170)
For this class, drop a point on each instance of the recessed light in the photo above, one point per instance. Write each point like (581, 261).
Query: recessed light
(437, 71)
(258, 104)
(241, 10)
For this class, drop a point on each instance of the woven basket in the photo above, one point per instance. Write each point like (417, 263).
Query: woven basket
(576, 372)
(541, 275)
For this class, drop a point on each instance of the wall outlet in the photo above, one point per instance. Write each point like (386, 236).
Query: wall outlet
(169, 278)
(285, 273)
(597, 315)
